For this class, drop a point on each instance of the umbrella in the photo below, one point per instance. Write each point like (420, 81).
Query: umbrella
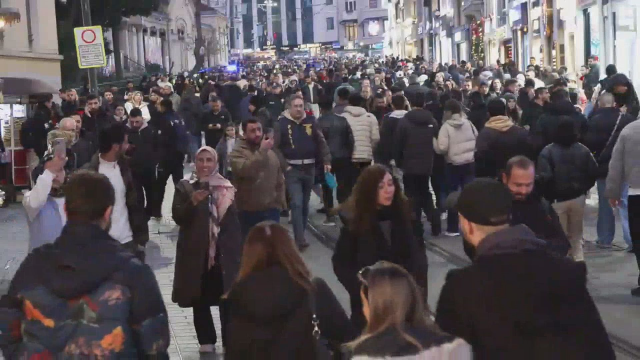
(25, 86)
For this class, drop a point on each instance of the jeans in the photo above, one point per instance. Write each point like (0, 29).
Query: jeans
(571, 216)
(457, 177)
(299, 181)
(195, 142)
(249, 219)
(606, 225)
(416, 188)
(634, 226)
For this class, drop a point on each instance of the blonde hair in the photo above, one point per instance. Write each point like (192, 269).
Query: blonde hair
(395, 301)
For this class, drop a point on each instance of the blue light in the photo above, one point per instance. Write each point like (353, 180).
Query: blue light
(232, 68)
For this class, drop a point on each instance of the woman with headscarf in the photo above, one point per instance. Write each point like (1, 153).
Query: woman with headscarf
(136, 102)
(209, 245)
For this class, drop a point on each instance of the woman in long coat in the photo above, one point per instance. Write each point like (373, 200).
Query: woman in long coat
(209, 245)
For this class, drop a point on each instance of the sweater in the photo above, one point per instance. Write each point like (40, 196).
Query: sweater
(365, 132)
(625, 162)
(457, 140)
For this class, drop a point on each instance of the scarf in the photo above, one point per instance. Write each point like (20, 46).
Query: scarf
(222, 196)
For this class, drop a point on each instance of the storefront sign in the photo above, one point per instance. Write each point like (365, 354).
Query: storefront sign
(336, 45)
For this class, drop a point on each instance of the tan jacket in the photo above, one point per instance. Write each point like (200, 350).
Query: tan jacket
(258, 178)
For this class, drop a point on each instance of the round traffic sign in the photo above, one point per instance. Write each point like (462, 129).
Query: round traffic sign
(88, 36)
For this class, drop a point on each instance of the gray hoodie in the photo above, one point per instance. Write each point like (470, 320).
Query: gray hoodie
(457, 140)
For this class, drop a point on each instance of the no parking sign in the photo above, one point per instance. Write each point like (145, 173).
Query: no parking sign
(90, 47)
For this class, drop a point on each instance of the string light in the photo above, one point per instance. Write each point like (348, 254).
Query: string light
(477, 40)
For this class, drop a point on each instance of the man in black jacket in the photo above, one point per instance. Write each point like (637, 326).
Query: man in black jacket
(311, 92)
(142, 151)
(214, 122)
(530, 209)
(414, 89)
(413, 150)
(532, 113)
(33, 134)
(339, 138)
(516, 300)
(544, 131)
(95, 119)
(274, 101)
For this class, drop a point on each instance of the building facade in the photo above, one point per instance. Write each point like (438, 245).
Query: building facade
(167, 37)
(364, 26)
(29, 48)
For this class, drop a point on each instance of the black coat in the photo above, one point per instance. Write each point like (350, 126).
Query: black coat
(93, 124)
(494, 148)
(354, 251)
(83, 149)
(540, 217)
(276, 325)
(191, 110)
(413, 142)
(275, 105)
(33, 134)
(337, 132)
(478, 115)
(317, 93)
(412, 91)
(143, 149)
(600, 129)
(544, 131)
(518, 302)
(566, 172)
(531, 114)
(212, 134)
(383, 153)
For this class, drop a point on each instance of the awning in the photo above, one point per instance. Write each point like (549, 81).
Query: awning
(25, 86)
(349, 21)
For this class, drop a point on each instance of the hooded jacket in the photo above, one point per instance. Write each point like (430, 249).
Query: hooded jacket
(457, 140)
(516, 301)
(499, 141)
(277, 324)
(388, 126)
(365, 132)
(84, 295)
(414, 142)
(629, 98)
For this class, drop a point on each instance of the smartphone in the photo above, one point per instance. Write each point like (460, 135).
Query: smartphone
(204, 186)
(59, 146)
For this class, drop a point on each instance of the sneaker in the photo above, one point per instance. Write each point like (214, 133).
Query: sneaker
(207, 348)
(635, 292)
(302, 247)
(603, 246)
(451, 234)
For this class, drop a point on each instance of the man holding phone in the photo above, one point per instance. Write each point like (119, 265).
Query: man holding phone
(258, 176)
(214, 122)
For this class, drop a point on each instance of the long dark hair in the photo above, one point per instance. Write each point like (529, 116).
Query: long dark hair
(362, 205)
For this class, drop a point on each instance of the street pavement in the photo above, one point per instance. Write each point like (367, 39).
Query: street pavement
(611, 274)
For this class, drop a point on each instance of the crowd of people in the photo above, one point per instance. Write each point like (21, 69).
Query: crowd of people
(506, 157)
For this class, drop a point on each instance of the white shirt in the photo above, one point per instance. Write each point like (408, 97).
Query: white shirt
(120, 227)
(35, 199)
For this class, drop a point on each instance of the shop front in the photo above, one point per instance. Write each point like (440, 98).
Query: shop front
(518, 20)
(461, 47)
(535, 35)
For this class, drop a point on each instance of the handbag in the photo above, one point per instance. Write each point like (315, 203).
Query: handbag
(322, 346)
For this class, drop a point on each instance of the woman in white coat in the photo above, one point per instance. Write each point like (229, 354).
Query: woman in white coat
(136, 102)
(457, 142)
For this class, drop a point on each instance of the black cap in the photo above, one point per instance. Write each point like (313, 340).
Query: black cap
(483, 201)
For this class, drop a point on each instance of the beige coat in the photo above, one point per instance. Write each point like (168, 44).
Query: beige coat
(365, 130)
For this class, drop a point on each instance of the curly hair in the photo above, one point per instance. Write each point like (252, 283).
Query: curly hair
(362, 205)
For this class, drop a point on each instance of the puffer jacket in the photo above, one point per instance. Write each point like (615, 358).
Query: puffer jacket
(82, 297)
(567, 172)
(414, 142)
(457, 140)
(365, 132)
(391, 344)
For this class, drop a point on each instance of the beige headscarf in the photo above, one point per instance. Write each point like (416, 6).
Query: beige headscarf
(223, 194)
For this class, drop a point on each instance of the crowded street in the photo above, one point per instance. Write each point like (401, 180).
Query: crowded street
(367, 180)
